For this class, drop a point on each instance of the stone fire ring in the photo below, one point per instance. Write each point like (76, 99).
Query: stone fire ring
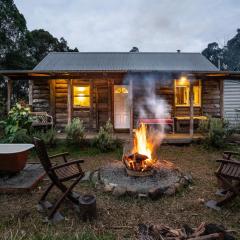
(164, 181)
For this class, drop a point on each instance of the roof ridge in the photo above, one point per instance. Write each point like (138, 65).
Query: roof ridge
(124, 53)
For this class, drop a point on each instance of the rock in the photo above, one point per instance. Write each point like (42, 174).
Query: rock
(94, 177)
(201, 200)
(170, 191)
(86, 176)
(179, 187)
(156, 193)
(109, 187)
(132, 191)
(143, 195)
(188, 177)
(119, 191)
(183, 181)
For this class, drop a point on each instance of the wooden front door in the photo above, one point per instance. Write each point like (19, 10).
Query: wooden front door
(121, 107)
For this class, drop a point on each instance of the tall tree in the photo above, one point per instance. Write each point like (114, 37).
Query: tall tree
(22, 49)
(13, 32)
(41, 42)
(228, 56)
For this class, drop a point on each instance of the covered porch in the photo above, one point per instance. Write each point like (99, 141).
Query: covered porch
(53, 91)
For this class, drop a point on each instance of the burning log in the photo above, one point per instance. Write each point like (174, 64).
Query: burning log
(164, 232)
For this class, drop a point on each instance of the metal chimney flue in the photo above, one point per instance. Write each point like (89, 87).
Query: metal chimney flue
(134, 49)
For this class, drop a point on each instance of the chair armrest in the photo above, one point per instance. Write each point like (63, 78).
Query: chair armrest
(231, 152)
(67, 164)
(59, 155)
(228, 161)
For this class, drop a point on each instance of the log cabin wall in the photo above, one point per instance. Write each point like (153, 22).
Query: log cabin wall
(101, 99)
(211, 98)
(102, 105)
(61, 92)
(41, 95)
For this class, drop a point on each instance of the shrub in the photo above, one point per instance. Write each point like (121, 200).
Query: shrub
(49, 136)
(75, 132)
(17, 125)
(104, 139)
(215, 131)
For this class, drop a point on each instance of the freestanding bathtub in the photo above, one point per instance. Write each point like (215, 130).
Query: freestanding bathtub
(13, 157)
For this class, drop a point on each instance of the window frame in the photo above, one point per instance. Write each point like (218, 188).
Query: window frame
(188, 100)
(73, 96)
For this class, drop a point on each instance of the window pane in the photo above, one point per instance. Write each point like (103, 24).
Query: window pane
(81, 90)
(82, 101)
(81, 96)
(182, 95)
(196, 94)
(121, 90)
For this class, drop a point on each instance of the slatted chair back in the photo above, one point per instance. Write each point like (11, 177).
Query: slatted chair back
(230, 169)
(44, 159)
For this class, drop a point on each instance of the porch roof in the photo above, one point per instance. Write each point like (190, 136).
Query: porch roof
(46, 74)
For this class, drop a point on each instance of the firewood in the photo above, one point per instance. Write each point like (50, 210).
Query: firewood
(199, 230)
(213, 236)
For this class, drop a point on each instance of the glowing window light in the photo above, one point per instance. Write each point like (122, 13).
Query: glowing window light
(182, 92)
(81, 96)
(121, 90)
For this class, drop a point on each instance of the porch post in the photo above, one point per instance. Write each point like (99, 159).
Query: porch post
(131, 106)
(30, 95)
(191, 108)
(221, 98)
(52, 99)
(91, 104)
(69, 101)
(9, 93)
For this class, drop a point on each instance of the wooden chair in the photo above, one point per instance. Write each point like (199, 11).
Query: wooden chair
(228, 174)
(58, 174)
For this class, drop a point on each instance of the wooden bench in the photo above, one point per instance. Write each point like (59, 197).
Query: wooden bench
(179, 119)
(41, 119)
(158, 121)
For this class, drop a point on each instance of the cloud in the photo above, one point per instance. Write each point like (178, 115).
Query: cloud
(117, 25)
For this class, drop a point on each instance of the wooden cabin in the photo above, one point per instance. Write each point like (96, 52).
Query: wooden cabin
(99, 86)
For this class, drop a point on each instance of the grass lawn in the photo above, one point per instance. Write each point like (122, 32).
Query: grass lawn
(117, 218)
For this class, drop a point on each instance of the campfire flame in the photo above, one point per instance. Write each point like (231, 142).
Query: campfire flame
(141, 143)
(141, 158)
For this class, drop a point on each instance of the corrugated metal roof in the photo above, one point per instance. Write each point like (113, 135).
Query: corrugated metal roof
(125, 61)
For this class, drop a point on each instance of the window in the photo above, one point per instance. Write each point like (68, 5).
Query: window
(182, 91)
(121, 90)
(81, 96)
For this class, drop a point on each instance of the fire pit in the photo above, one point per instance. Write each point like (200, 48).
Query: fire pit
(140, 173)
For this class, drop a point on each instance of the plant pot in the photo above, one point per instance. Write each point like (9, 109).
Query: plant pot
(13, 157)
